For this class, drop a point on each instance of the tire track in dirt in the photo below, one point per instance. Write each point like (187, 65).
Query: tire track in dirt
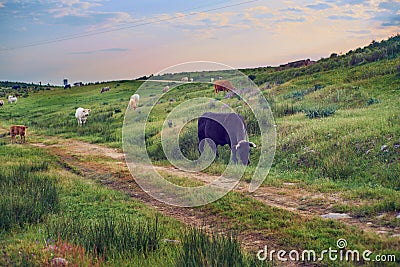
(117, 176)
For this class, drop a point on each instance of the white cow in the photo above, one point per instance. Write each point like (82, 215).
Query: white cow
(185, 79)
(165, 89)
(81, 115)
(134, 101)
(212, 80)
(12, 99)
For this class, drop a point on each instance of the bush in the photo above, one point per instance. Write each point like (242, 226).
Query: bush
(320, 112)
(188, 141)
(372, 101)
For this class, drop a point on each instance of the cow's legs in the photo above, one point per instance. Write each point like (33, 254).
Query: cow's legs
(210, 143)
(201, 146)
(234, 156)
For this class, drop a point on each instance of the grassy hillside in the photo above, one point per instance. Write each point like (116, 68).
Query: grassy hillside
(338, 131)
(351, 141)
(337, 122)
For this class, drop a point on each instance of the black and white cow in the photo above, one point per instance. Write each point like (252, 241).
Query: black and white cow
(222, 129)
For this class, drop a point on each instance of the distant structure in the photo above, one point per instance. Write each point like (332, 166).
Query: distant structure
(65, 82)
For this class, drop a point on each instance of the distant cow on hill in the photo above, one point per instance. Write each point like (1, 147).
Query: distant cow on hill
(134, 101)
(165, 89)
(1, 103)
(105, 89)
(12, 99)
(67, 86)
(18, 130)
(223, 85)
(222, 129)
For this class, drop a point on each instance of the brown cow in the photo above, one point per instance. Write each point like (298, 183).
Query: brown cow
(18, 130)
(223, 85)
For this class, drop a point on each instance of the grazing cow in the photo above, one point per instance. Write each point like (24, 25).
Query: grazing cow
(134, 101)
(1, 103)
(105, 89)
(212, 80)
(185, 79)
(222, 129)
(67, 86)
(12, 99)
(223, 85)
(165, 89)
(191, 80)
(18, 130)
(81, 115)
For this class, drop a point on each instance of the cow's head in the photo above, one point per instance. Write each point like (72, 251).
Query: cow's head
(243, 151)
(86, 112)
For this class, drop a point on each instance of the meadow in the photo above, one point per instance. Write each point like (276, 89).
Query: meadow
(338, 133)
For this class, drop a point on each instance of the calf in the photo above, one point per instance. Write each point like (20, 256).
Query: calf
(223, 85)
(12, 99)
(134, 101)
(81, 115)
(18, 130)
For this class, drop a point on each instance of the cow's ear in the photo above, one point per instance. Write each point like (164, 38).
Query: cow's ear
(252, 144)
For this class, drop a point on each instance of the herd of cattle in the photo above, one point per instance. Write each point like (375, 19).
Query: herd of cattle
(214, 128)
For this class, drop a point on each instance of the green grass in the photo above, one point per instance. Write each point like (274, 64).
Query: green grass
(88, 224)
(28, 194)
(290, 231)
(342, 150)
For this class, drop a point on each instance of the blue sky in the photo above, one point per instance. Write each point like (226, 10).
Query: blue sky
(99, 40)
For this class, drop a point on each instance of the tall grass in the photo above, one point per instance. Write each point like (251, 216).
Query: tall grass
(110, 237)
(202, 249)
(26, 195)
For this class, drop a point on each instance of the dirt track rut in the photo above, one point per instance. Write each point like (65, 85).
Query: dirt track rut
(116, 175)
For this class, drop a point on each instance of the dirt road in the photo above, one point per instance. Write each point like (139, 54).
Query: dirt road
(108, 166)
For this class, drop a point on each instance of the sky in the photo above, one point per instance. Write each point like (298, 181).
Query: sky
(103, 40)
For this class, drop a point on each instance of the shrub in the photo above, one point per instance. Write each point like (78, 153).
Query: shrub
(372, 101)
(188, 141)
(320, 112)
